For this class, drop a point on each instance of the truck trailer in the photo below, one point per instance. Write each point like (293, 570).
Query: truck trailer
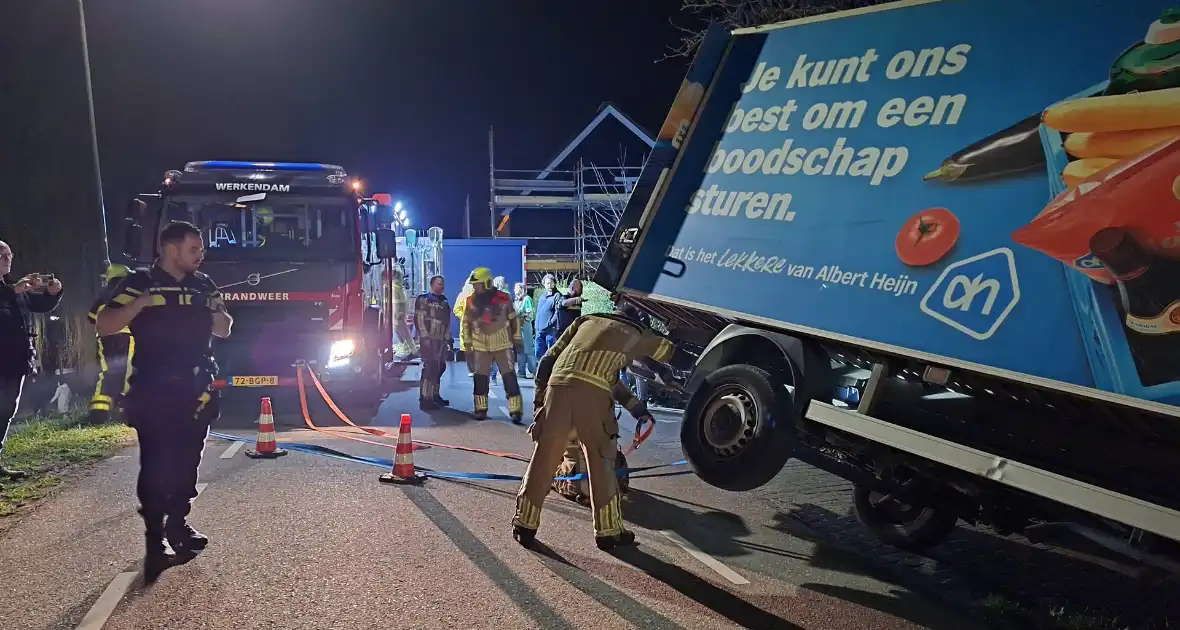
(932, 247)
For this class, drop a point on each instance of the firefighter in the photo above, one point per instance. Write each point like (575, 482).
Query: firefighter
(460, 304)
(578, 490)
(574, 385)
(432, 317)
(173, 311)
(492, 333)
(403, 341)
(114, 357)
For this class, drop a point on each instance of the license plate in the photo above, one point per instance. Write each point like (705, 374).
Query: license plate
(254, 381)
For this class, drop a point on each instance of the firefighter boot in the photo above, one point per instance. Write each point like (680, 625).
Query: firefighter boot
(157, 555)
(524, 535)
(608, 524)
(517, 418)
(621, 539)
(441, 402)
(185, 539)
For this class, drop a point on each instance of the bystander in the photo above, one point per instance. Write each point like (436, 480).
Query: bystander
(34, 293)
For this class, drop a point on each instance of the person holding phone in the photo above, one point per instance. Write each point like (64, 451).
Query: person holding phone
(34, 293)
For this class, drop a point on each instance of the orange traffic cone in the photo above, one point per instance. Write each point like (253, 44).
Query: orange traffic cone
(265, 447)
(403, 461)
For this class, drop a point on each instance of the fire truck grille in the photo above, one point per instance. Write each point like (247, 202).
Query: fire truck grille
(267, 339)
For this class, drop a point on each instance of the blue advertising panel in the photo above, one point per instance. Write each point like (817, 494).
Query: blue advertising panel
(962, 178)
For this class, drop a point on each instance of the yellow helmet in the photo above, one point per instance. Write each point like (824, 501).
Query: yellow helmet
(481, 275)
(115, 271)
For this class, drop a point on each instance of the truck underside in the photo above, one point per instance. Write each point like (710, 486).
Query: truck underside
(927, 446)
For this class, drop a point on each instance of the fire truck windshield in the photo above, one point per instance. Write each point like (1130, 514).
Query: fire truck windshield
(288, 230)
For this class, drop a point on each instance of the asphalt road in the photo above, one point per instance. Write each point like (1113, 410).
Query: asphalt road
(308, 541)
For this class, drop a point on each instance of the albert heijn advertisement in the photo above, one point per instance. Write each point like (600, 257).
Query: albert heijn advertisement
(994, 181)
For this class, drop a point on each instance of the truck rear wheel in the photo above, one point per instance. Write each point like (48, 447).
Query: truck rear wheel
(906, 526)
(737, 432)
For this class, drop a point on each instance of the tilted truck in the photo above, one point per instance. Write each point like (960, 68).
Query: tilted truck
(303, 261)
(932, 247)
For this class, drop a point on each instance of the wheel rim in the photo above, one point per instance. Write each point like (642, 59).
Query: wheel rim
(892, 509)
(729, 421)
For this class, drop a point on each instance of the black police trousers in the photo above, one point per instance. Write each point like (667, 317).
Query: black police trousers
(172, 425)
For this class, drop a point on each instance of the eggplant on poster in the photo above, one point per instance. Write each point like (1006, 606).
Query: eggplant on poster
(962, 178)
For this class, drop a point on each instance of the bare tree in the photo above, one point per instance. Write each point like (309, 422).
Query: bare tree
(734, 14)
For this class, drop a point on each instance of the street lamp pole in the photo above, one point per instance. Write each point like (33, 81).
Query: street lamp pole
(93, 133)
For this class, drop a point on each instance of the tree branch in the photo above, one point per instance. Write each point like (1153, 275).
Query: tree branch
(735, 14)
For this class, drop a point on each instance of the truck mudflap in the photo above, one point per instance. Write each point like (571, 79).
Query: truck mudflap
(872, 179)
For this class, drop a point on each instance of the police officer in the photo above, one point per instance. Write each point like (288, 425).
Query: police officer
(173, 311)
(492, 332)
(432, 317)
(574, 464)
(114, 356)
(574, 385)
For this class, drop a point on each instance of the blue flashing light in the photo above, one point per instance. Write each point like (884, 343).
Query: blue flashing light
(262, 166)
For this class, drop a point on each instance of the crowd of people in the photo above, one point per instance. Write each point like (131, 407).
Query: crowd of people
(579, 378)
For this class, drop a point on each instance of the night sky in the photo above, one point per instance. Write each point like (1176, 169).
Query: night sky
(400, 93)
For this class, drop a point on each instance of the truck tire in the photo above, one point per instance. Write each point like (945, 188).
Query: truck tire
(737, 432)
(910, 528)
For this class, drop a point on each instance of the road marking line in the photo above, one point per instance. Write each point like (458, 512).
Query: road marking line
(232, 450)
(492, 395)
(97, 617)
(201, 488)
(705, 558)
(504, 410)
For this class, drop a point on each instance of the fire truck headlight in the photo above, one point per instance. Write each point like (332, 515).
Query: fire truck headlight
(341, 352)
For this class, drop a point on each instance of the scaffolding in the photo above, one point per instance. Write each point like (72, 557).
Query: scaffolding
(594, 196)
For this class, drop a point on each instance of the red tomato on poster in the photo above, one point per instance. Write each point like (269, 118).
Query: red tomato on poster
(927, 237)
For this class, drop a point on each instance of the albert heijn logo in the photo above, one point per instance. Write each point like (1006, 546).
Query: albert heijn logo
(976, 294)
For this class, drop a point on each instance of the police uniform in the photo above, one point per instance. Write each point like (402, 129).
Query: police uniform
(115, 353)
(171, 403)
(491, 331)
(432, 317)
(574, 464)
(574, 385)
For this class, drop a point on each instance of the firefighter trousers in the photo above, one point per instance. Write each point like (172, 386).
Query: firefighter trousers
(481, 368)
(586, 411)
(114, 360)
(434, 364)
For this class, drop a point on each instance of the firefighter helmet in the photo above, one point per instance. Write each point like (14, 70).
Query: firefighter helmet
(481, 275)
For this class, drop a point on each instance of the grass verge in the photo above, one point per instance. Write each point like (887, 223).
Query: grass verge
(998, 609)
(50, 449)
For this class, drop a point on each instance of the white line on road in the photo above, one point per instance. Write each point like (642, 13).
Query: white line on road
(97, 617)
(232, 450)
(705, 558)
(504, 410)
(492, 394)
